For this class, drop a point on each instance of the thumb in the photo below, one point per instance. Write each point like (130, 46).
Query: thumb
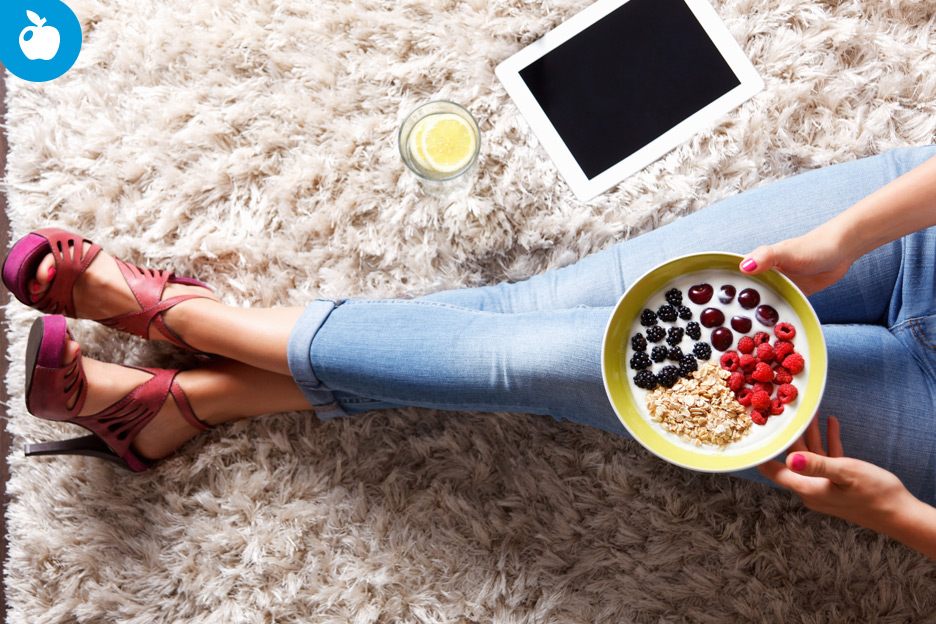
(813, 465)
(761, 259)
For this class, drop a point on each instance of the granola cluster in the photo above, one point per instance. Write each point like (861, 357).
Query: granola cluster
(700, 409)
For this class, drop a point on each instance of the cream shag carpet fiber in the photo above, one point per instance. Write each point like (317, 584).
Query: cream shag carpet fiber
(251, 143)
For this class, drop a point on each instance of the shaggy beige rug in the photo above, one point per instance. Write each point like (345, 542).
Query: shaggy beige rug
(251, 143)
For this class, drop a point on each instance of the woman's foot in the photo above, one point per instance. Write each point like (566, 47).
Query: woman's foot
(102, 292)
(109, 383)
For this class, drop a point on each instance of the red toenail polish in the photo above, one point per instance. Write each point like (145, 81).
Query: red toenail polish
(34, 297)
(51, 273)
(34, 287)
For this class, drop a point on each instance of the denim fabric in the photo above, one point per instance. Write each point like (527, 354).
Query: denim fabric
(534, 346)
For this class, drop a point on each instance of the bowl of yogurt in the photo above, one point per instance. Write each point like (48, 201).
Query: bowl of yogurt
(682, 359)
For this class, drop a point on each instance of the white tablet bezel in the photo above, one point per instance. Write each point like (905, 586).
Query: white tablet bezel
(509, 74)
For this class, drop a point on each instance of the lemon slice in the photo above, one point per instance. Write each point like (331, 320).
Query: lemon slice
(443, 143)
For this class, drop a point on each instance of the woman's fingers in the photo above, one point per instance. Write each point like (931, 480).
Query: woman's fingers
(832, 438)
(813, 437)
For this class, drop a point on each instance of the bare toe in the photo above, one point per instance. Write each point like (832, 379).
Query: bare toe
(43, 279)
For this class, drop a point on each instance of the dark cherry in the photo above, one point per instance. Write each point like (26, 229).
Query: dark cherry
(712, 317)
(722, 338)
(749, 298)
(701, 293)
(741, 324)
(727, 293)
(767, 315)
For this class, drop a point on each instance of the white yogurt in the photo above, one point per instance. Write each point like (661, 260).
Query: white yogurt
(757, 434)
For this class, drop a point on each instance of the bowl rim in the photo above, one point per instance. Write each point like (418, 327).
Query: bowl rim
(772, 447)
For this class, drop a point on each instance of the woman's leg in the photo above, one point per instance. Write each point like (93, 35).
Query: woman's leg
(218, 393)
(765, 215)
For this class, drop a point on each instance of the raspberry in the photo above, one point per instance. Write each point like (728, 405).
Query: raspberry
(656, 333)
(693, 330)
(736, 381)
(758, 417)
(668, 376)
(746, 345)
(760, 400)
(666, 313)
(729, 361)
(659, 353)
(640, 360)
(674, 297)
(646, 380)
(684, 313)
(765, 352)
(784, 331)
(648, 317)
(776, 407)
(787, 392)
(782, 348)
(674, 336)
(761, 337)
(762, 372)
(638, 342)
(747, 363)
(766, 386)
(794, 363)
(782, 375)
(744, 396)
(702, 350)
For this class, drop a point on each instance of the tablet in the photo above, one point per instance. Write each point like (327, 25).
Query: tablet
(623, 82)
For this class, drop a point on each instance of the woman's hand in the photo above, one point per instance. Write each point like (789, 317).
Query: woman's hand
(812, 261)
(853, 489)
(839, 486)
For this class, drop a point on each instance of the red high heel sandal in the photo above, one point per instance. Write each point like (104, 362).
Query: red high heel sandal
(51, 385)
(71, 261)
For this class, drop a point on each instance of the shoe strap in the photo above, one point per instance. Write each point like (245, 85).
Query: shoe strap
(59, 386)
(119, 424)
(71, 260)
(147, 286)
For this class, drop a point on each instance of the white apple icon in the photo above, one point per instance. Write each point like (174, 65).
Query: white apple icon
(45, 40)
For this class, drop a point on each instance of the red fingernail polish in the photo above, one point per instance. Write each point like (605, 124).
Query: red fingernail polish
(51, 273)
(748, 265)
(798, 462)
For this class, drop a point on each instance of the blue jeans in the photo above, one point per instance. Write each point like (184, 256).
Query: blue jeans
(534, 346)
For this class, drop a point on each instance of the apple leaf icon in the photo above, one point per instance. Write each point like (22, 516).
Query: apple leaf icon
(35, 19)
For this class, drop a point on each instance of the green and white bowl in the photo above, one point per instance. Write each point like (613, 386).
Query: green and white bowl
(763, 442)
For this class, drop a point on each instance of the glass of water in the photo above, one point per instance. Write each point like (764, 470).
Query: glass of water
(440, 142)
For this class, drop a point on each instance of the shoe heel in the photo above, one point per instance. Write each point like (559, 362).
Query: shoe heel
(89, 445)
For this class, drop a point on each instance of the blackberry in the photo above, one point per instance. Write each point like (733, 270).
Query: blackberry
(648, 318)
(674, 337)
(674, 297)
(656, 333)
(688, 365)
(658, 354)
(684, 313)
(668, 376)
(638, 342)
(640, 360)
(646, 380)
(693, 330)
(666, 313)
(674, 354)
(702, 350)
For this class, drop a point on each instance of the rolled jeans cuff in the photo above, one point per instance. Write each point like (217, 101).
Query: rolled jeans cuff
(300, 366)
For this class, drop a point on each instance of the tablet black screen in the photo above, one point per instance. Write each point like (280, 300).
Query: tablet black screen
(627, 79)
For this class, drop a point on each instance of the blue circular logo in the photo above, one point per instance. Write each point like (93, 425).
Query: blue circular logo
(39, 39)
